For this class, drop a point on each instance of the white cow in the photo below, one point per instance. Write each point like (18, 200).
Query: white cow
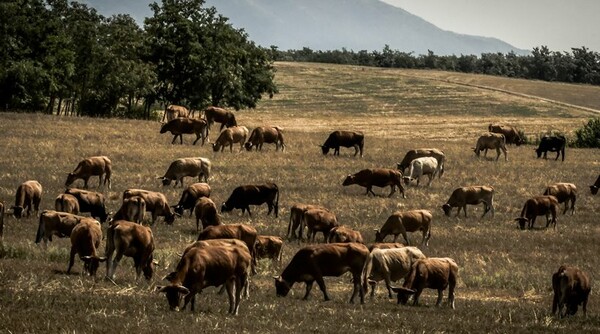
(422, 166)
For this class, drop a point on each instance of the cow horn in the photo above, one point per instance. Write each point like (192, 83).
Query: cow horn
(276, 277)
(155, 262)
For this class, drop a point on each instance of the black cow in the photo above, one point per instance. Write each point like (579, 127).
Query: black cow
(553, 144)
(244, 196)
(594, 187)
(345, 139)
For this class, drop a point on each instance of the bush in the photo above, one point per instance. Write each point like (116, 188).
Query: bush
(589, 134)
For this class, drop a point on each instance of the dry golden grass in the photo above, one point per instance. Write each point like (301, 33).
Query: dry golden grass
(505, 272)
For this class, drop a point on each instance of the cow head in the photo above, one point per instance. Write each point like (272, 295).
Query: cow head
(350, 179)
(248, 146)
(178, 209)
(165, 181)
(70, 179)
(174, 294)
(91, 263)
(403, 294)
(170, 218)
(522, 222)
(282, 288)
(17, 211)
(148, 268)
(163, 128)
(225, 208)
(216, 147)
(407, 180)
(594, 190)
(447, 209)
(378, 236)
(324, 149)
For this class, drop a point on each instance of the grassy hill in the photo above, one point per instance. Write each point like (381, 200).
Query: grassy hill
(505, 273)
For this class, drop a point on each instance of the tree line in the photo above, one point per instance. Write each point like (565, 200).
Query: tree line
(61, 57)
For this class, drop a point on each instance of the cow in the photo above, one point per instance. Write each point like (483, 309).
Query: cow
(183, 167)
(220, 115)
(230, 136)
(206, 211)
(336, 139)
(571, 288)
(317, 220)
(379, 177)
(420, 153)
(201, 267)
(511, 134)
(28, 196)
(296, 212)
(1, 221)
(132, 209)
(180, 126)
(269, 247)
(156, 203)
(244, 196)
(90, 201)
(408, 221)
(390, 264)
(553, 144)
(538, 206)
(85, 240)
(564, 193)
(243, 232)
(132, 240)
(471, 195)
(100, 166)
(265, 134)
(189, 197)
(494, 141)
(312, 263)
(66, 203)
(422, 166)
(594, 188)
(344, 234)
(174, 111)
(385, 245)
(56, 223)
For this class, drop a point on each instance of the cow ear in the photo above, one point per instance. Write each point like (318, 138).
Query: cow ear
(276, 277)
(102, 259)
(160, 288)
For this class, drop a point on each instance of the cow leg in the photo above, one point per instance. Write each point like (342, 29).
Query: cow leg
(322, 286)
(71, 259)
(197, 137)
(370, 189)
(309, 285)
(355, 150)
(190, 297)
(85, 182)
(557, 155)
(248, 209)
(357, 288)
(239, 285)
(229, 285)
(440, 297)
(405, 238)
(99, 180)
(497, 153)
(373, 285)
(270, 205)
(388, 283)
(464, 210)
(394, 189)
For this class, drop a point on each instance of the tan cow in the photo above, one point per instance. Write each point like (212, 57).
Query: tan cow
(493, 141)
(564, 193)
(189, 197)
(28, 196)
(343, 233)
(472, 195)
(180, 126)
(192, 167)
(66, 203)
(85, 240)
(243, 232)
(174, 111)
(57, 223)
(296, 212)
(538, 206)
(230, 136)
(133, 209)
(156, 203)
(100, 166)
(378, 177)
(269, 247)
(510, 133)
(132, 240)
(408, 221)
(219, 115)
(317, 220)
(266, 134)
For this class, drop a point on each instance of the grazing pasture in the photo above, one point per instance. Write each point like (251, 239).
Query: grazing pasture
(505, 275)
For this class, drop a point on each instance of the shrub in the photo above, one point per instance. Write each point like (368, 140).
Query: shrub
(589, 134)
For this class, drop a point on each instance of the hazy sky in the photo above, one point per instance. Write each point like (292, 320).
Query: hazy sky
(559, 24)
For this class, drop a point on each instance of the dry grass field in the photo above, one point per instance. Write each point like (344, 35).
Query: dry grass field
(505, 273)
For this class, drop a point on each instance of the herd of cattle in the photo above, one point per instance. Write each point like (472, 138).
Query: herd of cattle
(227, 254)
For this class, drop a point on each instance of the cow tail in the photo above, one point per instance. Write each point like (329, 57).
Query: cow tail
(366, 272)
(41, 230)
(289, 230)
(276, 201)
(524, 210)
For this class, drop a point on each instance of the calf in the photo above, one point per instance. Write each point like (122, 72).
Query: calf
(296, 212)
(56, 223)
(538, 206)
(594, 188)
(189, 197)
(156, 203)
(66, 203)
(510, 133)
(244, 196)
(206, 212)
(571, 288)
(494, 141)
(85, 240)
(183, 167)
(422, 166)
(553, 144)
(312, 263)
(265, 134)
(132, 240)
(423, 152)
(269, 247)
(408, 221)
(564, 193)
(471, 195)
(344, 234)
(379, 177)
(317, 220)
(230, 136)
(390, 264)
(100, 166)
(432, 273)
(90, 201)
(28, 196)
(345, 139)
(180, 126)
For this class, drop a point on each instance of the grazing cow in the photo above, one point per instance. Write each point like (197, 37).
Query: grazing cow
(219, 115)
(594, 188)
(510, 133)
(189, 197)
(571, 288)
(344, 234)
(90, 201)
(312, 263)
(420, 153)
(92, 166)
(66, 203)
(379, 177)
(132, 240)
(269, 247)
(201, 267)
(538, 206)
(494, 141)
(296, 212)
(156, 203)
(244, 196)
(180, 126)
(390, 264)
(243, 232)
(1, 220)
(472, 195)
(422, 166)
(317, 220)
(230, 136)
(553, 144)
(206, 211)
(133, 209)
(345, 139)
(432, 273)
(56, 223)
(174, 111)
(385, 245)
(408, 221)
(28, 196)
(183, 167)
(265, 134)
(85, 240)
(564, 193)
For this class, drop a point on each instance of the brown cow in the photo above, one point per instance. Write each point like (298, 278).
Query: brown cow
(28, 196)
(85, 240)
(379, 177)
(385, 245)
(92, 166)
(494, 141)
(66, 203)
(156, 203)
(253, 194)
(229, 136)
(243, 232)
(189, 197)
(571, 288)
(420, 153)
(344, 234)
(564, 193)
(57, 223)
(336, 139)
(594, 188)
(312, 263)
(269, 247)
(133, 209)
(266, 134)
(472, 195)
(132, 240)
(296, 212)
(510, 133)
(432, 273)
(220, 115)
(206, 211)
(183, 167)
(90, 201)
(408, 221)
(317, 220)
(174, 111)
(538, 206)
(180, 126)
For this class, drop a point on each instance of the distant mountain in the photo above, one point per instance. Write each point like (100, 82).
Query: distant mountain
(330, 24)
